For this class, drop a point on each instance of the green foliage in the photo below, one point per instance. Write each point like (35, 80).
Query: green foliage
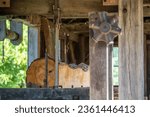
(115, 66)
(13, 70)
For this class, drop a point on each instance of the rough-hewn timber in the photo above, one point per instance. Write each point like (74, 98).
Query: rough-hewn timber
(69, 8)
(131, 52)
(98, 86)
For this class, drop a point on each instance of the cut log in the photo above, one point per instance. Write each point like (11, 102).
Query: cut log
(68, 77)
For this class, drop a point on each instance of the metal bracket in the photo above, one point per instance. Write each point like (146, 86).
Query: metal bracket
(16, 27)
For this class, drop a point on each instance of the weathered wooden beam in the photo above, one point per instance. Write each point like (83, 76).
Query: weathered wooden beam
(48, 30)
(27, 7)
(4, 3)
(131, 50)
(69, 8)
(98, 86)
(84, 28)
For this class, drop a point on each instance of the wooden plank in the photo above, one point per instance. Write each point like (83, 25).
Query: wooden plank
(4, 3)
(98, 88)
(27, 7)
(131, 50)
(69, 8)
(84, 28)
(48, 30)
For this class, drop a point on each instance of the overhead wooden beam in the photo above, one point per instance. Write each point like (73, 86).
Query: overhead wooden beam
(84, 28)
(27, 7)
(78, 9)
(69, 8)
(4, 3)
(131, 50)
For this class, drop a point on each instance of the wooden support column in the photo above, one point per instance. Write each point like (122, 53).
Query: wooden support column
(131, 50)
(102, 34)
(98, 88)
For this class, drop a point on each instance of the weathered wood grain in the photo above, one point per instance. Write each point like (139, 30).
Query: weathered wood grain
(27, 7)
(98, 88)
(48, 30)
(131, 50)
(68, 77)
(4, 3)
(69, 8)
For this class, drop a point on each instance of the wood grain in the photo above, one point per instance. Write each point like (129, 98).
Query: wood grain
(131, 50)
(48, 31)
(68, 77)
(98, 70)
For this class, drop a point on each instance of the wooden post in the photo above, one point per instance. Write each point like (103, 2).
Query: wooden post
(98, 88)
(102, 34)
(131, 50)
